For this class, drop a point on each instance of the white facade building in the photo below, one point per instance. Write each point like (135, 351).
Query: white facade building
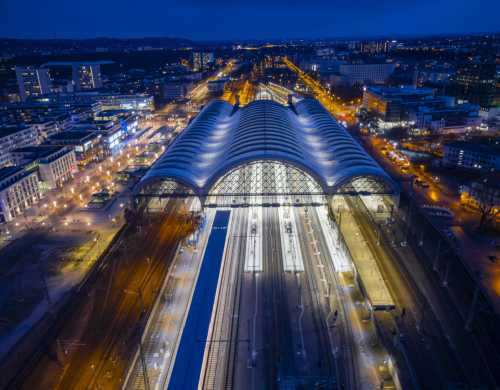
(19, 190)
(32, 81)
(56, 164)
(14, 137)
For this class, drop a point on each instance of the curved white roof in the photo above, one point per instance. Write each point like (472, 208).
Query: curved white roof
(221, 138)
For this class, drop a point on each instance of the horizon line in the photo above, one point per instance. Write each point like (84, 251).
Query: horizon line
(340, 37)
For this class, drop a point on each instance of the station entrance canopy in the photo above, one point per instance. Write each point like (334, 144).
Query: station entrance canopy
(264, 153)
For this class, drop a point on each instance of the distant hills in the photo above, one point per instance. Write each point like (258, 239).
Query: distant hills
(16, 46)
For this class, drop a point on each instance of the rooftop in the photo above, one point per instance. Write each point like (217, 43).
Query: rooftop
(72, 135)
(9, 171)
(489, 147)
(395, 92)
(306, 136)
(40, 151)
(9, 130)
(111, 112)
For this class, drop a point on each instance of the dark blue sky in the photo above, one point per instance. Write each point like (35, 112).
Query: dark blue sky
(241, 19)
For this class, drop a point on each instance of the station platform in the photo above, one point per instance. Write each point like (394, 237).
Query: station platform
(189, 358)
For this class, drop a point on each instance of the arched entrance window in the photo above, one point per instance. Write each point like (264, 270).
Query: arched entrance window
(265, 182)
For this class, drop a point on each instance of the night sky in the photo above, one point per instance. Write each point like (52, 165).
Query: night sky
(244, 19)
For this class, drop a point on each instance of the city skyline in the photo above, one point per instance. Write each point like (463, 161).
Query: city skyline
(250, 195)
(225, 21)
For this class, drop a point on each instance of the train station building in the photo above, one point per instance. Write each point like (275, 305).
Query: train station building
(264, 153)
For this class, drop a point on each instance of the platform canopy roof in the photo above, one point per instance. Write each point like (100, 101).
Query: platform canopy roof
(223, 137)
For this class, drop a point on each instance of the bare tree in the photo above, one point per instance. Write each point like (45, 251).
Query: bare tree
(486, 203)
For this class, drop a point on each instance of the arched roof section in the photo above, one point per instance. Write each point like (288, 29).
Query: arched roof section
(307, 137)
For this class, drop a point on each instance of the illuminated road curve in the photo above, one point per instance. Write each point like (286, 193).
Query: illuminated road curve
(339, 110)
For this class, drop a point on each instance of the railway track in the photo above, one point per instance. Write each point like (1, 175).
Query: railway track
(224, 337)
(100, 356)
(234, 331)
(282, 338)
(432, 370)
(325, 342)
(127, 313)
(51, 332)
(346, 334)
(216, 332)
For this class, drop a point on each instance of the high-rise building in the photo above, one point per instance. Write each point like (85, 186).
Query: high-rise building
(476, 83)
(375, 47)
(32, 81)
(86, 76)
(208, 58)
(197, 61)
(201, 60)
